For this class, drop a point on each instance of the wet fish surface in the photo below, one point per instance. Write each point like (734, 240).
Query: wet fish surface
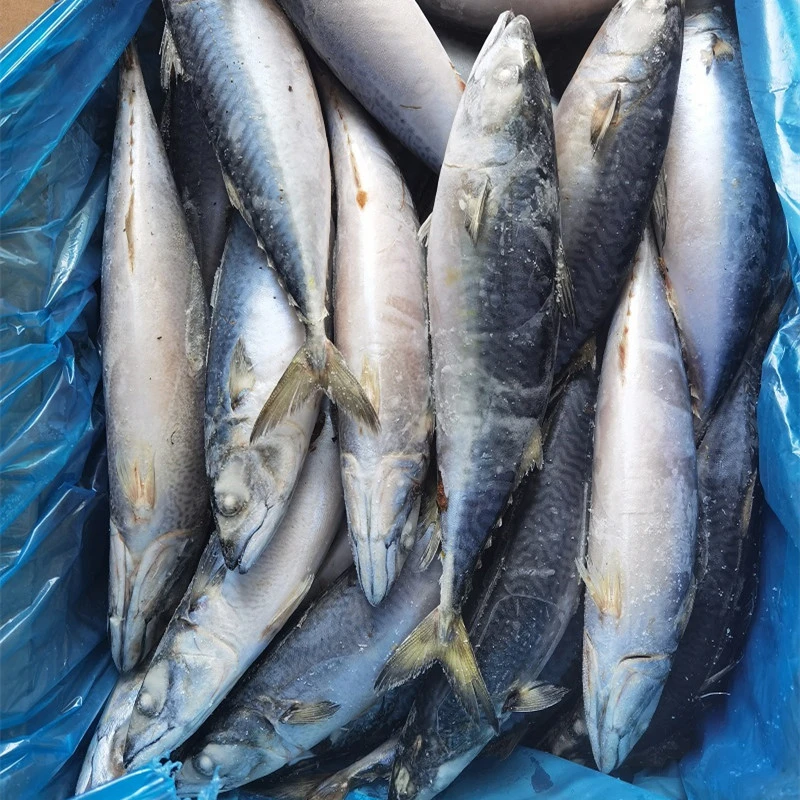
(254, 336)
(389, 57)
(612, 126)
(319, 678)
(523, 611)
(492, 292)
(548, 16)
(253, 86)
(718, 185)
(198, 177)
(154, 336)
(643, 523)
(381, 329)
(226, 619)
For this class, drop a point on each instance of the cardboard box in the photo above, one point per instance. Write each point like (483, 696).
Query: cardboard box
(17, 14)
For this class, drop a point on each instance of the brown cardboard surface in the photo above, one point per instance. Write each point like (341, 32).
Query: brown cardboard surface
(17, 14)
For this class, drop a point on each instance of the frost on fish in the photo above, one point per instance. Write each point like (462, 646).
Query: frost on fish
(154, 341)
(642, 536)
(381, 329)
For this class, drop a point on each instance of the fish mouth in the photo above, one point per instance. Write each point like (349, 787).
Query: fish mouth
(620, 701)
(139, 754)
(241, 550)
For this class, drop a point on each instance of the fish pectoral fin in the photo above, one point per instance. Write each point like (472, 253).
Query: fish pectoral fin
(137, 477)
(240, 374)
(300, 713)
(604, 590)
(473, 204)
(605, 114)
(658, 213)
(171, 64)
(718, 50)
(534, 696)
(451, 648)
(345, 391)
(682, 620)
(564, 291)
(532, 455)
(371, 383)
(424, 232)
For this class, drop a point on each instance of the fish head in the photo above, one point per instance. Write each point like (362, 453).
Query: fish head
(144, 588)
(507, 76)
(382, 504)
(620, 697)
(238, 750)
(250, 495)
(187, 678)
(637, 26)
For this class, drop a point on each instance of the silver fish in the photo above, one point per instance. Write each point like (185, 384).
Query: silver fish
(254, 336)
(154, 336)
(103, 760)
(226, 619)
(316, 680)
(642, 532)
(254, 89)
(493, 284)
(546, 16)
(389, 57)
(612, 125)
(718, 184)
(381, 329)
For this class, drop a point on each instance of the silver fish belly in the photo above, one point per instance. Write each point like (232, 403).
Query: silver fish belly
(381, 329)
(154, 337)
(642, 532)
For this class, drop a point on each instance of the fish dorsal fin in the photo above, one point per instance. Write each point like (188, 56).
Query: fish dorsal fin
(424, 232)
(534, 696)
(240, 375)
(605, 589)
(170, 60)
(564, 292)
(300, 713)
(605, 113)
(472, 203)
(137, 477)
(717, 50)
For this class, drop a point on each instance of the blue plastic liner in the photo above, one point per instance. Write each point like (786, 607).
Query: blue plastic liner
(58, 94)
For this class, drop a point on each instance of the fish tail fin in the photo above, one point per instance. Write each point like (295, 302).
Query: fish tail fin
(446, 642)
(316, 366)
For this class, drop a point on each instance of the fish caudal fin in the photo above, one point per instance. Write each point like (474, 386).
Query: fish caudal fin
(429, 642)
(307, 374)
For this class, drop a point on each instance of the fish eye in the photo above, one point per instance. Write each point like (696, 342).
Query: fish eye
(204, 764)
(507, 75)
(229, 504)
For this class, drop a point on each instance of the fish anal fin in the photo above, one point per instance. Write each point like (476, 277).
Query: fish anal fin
(448, 644)
(605, 114)
(300, 713)
(534, 696)
(240, 375)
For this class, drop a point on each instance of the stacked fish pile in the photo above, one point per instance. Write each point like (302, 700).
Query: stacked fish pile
(384, 494)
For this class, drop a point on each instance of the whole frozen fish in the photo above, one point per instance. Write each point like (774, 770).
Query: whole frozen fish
(389, 57)
(612, 125)
(643, 526)
(253, 87)
(198, 178)
(154, 336)
(381, 329)
(226, 618)
(317, 679)
(103, 760)
(718, 209)
(546, 16)
(529, 598)
(254, 336)
(492, 293)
